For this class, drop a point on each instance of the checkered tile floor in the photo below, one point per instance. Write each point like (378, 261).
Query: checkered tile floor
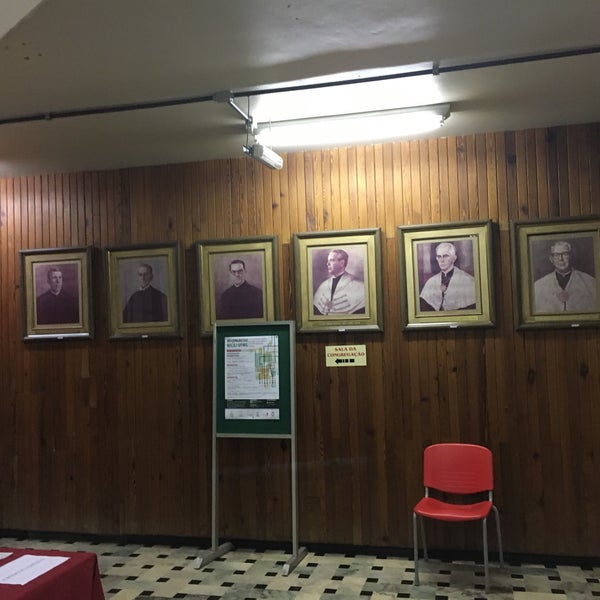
(142, 572)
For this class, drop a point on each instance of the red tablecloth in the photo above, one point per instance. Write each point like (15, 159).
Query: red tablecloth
(75, 579)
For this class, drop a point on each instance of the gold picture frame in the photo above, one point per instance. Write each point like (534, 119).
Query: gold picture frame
(237, 281)
(143, 291)
(57, 298)
(555, 272)
(352, 257)
(446, 275)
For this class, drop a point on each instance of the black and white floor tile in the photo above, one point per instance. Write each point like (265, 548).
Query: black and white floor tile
(158, 572)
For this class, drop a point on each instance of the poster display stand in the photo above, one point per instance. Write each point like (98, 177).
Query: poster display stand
(254, 396)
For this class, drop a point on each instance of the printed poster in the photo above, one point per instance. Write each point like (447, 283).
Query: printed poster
(252, 377)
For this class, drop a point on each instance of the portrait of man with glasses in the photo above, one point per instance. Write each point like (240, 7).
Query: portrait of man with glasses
(241, 300)
(565, 288)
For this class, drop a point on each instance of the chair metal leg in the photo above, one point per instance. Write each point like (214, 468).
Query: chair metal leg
(416, 548)
(485, 556)
(425, 555)
(499, 534)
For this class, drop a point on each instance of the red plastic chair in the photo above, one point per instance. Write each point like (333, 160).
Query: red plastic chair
(458, 469)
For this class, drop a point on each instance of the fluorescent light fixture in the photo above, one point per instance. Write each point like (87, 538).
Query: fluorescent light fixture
(352, 128)
(264, 155)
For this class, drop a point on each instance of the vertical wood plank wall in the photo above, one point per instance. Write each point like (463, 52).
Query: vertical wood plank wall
(114, 437)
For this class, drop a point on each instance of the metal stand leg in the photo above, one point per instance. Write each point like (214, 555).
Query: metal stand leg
(293, 561)
(211, 555)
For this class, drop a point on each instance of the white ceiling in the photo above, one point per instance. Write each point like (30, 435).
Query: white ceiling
(63, 55)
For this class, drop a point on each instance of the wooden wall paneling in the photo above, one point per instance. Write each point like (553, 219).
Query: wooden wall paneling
(489, 185)
(593, 150)
(329, 400)
(433, 183)
(31, 220)
(481, 177)
(211, 227)
(362, 460)
(414, 197)
(591, 452)
(316, 173)
(443, 181)
(375, 390)
(302, 220)
(370, 191)
(581, 144)
(264, 202)
(311, 399)
(282, 209)
(26, 222)
(407, 217)
(572, 167)
(424, 184)
(70, 216)
(51, 208)
(361, 216)
(350, 216)
(63, 224)
(323, 188)
(453, 177)
(395, 213)
(552, 170)
(339, 187)
(384, 194)
(540, 179)
(529, 195)
(83, 414)
(7, 449)
(199, 207)
(476, 210)
(241, 199)
(564, 201)
(462, 178)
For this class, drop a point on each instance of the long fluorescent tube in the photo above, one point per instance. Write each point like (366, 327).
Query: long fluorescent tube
(351, 128)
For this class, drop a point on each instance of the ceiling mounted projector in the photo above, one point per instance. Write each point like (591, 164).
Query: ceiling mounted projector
(265, 155)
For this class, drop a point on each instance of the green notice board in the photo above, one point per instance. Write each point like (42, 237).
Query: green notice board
(253, 387)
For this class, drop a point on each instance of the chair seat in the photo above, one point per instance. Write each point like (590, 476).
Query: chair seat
(443, 511)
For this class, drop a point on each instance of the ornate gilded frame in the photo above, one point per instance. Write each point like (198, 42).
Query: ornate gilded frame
(311, 250)
(539, 302)
(260, 257)
(59, 321)
(122, 268)
(419, 273)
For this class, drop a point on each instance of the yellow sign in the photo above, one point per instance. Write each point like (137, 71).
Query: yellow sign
(346, 356)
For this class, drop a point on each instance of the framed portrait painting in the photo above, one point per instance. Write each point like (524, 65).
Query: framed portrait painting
(143, 285)
(338, 281)
(555, 272)
(446, 275)
(57, 298)
(237, 281)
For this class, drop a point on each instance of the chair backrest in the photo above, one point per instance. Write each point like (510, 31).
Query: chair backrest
(458, 468)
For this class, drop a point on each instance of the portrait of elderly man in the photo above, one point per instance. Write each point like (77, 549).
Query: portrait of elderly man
(564, 289)
(451, 288)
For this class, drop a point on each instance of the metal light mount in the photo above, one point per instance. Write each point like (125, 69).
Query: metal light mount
(260, 152)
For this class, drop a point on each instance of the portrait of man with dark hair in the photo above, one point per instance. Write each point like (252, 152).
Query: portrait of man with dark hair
(241, 300)
(56, 305)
